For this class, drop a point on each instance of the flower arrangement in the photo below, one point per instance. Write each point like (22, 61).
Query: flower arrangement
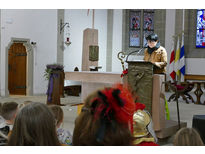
(124, 72)
(50, 68)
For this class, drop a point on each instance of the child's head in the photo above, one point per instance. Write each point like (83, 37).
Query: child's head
(106, 118)
(27, 102)
(34, 125)
(8, 111)
(58, 113)
(24, 104)
(187, 137)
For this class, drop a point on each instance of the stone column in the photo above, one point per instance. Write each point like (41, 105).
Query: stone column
(90, 37)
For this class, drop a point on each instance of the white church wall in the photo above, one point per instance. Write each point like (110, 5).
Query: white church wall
(117, 40)
(39, 26)
(169, 32)
(195, 66)
(79, 21)
(0, 52)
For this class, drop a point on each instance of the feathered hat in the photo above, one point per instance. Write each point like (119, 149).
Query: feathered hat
(113, 104)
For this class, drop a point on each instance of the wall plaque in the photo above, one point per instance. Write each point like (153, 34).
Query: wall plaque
(93, 53)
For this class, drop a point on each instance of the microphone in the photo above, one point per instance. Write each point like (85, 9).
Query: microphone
(137, 51)
(146, 45)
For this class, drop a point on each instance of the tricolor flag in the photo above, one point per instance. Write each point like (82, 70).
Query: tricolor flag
(182, 60)
(177, 55)
(171, 64)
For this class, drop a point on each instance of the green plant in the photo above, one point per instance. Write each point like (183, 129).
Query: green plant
(50, 68)
(47, 73)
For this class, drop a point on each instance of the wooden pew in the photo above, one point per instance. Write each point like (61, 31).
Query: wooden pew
(194, 77)
(199, 80)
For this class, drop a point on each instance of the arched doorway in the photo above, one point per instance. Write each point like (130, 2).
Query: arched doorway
(17, 65)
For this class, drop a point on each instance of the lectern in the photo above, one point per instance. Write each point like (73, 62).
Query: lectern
(140, 80)
(149, 89)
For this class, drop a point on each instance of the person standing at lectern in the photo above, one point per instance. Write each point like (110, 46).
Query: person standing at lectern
(155, 53)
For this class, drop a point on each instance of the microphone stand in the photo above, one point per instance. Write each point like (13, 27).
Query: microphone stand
(138, 51)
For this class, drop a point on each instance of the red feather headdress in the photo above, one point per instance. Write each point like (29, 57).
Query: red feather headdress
(118, 103)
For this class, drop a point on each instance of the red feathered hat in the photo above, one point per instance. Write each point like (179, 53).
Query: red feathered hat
(120, 102)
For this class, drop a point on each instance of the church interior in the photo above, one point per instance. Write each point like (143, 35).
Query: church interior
(60, 56)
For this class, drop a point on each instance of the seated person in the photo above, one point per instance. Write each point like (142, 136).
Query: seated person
(106, 118)
(143, 131)
(187, 137)
(3, 130)
(7, 117)
(64, 135)
(24, 104)
(34, 126)
(8, 112)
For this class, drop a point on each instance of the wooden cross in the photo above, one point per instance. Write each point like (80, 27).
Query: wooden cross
(93, 19)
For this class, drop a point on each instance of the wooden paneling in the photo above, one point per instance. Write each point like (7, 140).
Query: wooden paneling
(17, 69)
(194, 77)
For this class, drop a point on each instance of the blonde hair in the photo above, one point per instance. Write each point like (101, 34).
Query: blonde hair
(187, 137)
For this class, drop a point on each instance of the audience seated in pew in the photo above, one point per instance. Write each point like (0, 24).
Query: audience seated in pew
(8, 111)
(64, 135)
(187, 137)
(106, 118)
(34, 126)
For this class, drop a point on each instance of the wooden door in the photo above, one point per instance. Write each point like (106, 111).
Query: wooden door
(17, 69)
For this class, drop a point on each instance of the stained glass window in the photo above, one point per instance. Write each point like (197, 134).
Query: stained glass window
(135, 38)
(135, 17)
(200, 31)
(138, 31)
(148, 27)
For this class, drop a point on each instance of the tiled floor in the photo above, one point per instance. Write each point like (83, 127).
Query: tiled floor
(70, 112)
(186, 110)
